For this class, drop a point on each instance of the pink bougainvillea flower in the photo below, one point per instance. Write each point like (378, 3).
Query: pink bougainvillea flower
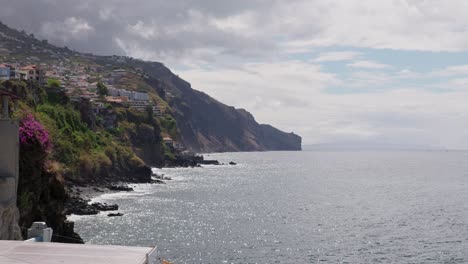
(32, 133)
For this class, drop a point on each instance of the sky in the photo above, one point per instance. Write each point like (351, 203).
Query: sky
(384, 72)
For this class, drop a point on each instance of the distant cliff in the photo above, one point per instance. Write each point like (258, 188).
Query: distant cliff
(206, 125)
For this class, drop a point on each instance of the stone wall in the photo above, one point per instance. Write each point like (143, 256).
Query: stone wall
(9, 156)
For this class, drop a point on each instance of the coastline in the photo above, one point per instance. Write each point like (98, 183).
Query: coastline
(84, 199)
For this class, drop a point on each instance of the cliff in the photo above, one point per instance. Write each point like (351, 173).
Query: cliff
(207, 125)
(203, 123)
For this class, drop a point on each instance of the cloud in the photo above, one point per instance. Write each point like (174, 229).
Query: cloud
(292, 95)
(400, 25)
(337, 56)
(368, 65)
(453, 70)
(256, 54)
(245, 29)
(71, 28)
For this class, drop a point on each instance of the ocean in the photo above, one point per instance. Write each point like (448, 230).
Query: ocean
(299, 207)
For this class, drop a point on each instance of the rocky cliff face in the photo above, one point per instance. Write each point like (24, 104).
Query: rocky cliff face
(207, 125)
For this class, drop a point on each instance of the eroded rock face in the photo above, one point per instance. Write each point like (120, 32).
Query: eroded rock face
(207, 125)
(9, 229)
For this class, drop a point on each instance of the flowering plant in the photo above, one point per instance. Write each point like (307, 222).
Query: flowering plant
(32, 133)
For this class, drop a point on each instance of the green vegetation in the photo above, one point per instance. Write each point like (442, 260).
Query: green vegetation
(85, 152)
(51, 82)
(102, 89)
(169, 125)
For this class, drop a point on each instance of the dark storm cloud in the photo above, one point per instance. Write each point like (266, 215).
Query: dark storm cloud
(146, 28)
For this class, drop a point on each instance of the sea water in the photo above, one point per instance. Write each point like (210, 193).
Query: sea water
(299, 207)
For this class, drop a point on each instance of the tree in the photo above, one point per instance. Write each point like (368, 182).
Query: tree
(102, 89)
(51, 82)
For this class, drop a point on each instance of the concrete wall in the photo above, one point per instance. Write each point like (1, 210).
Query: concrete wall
(9, 158)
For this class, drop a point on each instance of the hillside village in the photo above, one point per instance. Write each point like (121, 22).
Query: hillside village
(81, 82)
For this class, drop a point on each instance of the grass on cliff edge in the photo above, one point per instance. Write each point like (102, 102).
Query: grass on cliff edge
(83, 152)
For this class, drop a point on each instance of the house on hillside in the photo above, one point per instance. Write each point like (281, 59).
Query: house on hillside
(139, 105)
(5, 72)
(88, 95)
(15, 72)
(116, 100)
(139, 96)
(33, 72)
(168, 142)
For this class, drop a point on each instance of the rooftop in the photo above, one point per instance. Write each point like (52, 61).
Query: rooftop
(20, 252)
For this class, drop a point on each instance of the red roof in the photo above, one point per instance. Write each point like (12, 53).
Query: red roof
(29, 67)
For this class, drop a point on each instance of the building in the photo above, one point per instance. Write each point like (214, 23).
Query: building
(139, 105)
(34, 73)
(5, 72)
(18, 252)
(119, 92)
(116, 99)
(168, 142)
(89, 95)
(9, 160)
(132, 95)
(139, 96)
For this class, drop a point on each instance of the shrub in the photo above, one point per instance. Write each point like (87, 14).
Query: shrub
(32, 134)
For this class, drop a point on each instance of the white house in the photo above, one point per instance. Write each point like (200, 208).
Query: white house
(33, 72)
(139, 96)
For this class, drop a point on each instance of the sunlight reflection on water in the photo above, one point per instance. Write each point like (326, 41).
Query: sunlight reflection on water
(299, 207)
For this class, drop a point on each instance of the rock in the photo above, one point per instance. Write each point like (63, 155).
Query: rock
(167, 178)
(189, 161)
(105, 207)
(79, 206)
(232, 163)
(157, 176)
(209, 162)
(142, 174)
(120, 188)
(158, 181)
(114, 214)
(68, 234)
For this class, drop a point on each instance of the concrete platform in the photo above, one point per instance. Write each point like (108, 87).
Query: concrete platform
(21, 252)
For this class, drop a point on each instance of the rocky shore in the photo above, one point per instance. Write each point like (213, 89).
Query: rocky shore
(79, 197)
(192, 161)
